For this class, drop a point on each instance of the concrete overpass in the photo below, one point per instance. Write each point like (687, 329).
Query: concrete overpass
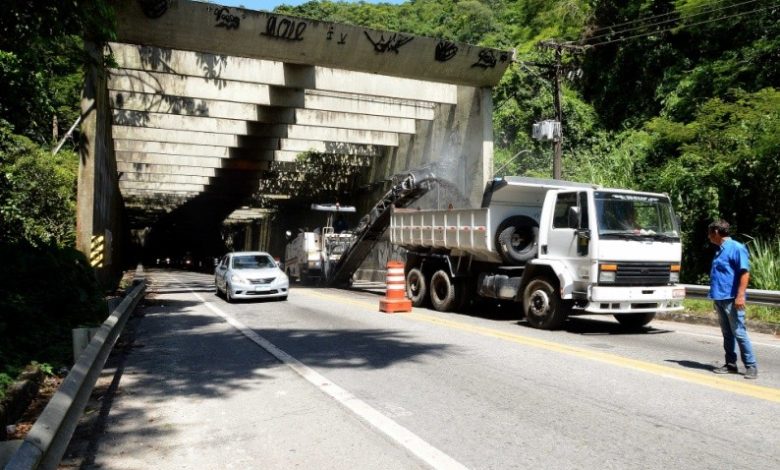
(214, 113)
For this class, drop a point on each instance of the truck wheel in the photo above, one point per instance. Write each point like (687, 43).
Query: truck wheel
(416, 287)
(544, 308)
(516, 239)
(444, 295)
(635, 320)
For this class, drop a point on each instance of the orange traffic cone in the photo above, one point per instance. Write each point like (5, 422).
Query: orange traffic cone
(395, 299)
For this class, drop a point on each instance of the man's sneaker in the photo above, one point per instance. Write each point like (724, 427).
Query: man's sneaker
(751, 373)
(726, 369)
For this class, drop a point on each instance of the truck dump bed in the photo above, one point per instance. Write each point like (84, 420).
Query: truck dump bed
(464, 230)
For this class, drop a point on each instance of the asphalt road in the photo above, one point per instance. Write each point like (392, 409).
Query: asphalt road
(324, 380)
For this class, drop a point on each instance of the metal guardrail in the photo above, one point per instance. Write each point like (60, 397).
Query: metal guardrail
(48, 439)
(767, 298)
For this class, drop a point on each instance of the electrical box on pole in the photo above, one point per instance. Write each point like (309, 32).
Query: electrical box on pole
(547, 130)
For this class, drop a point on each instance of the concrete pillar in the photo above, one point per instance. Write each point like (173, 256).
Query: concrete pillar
(99, 229)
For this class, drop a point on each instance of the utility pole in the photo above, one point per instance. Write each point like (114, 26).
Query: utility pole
(557, 143)
(557, 71)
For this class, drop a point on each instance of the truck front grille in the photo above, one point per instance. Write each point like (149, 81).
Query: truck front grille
(642, 274)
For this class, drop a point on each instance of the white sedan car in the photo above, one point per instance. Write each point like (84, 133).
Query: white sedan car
(250, 275)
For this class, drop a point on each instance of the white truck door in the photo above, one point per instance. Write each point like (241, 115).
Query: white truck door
(568, 218)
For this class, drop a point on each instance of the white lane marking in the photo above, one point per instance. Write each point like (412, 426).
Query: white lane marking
(410, 441)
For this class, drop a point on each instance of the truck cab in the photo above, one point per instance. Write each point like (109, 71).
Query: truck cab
(612, 251)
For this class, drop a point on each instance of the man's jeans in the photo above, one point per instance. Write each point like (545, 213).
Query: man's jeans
(732, 324)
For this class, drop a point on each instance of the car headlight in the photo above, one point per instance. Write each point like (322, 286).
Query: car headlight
(607, 272)
(237, 278)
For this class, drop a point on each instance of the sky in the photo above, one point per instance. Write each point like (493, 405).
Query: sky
(268, 5)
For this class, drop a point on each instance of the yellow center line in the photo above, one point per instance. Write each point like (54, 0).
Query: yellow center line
(747, 389)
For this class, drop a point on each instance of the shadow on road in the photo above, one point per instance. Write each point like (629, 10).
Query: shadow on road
(692, 364)
(172, 349)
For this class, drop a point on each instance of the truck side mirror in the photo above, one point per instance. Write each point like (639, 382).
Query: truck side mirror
(574, 217)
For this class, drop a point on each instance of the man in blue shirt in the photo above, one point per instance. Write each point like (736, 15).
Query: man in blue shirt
(729, 278)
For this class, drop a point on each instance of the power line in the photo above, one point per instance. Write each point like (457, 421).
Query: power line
(736, 15)
(659, 23)
(676, 11)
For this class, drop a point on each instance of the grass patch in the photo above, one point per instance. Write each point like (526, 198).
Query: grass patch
(703, 308)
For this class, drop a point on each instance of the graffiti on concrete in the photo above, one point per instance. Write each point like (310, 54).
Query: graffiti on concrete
(445, 50)
(342, 36)
(487, 59)
(392, 43)
(154, 8)
(224, 19)
(287, 29)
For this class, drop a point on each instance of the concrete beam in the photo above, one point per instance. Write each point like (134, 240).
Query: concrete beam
(130, 133)
(337, 102)
(229, 126)
(142, 196)
(163, 178)
(176, 122)
(198, 26)
(155, 194)
(243, 69)
(166, 148)
(361, 104)
(281, 156)
(173, 136)
(188, 160)
(124, 167)
(338, 148)
(195, 87)
(267, 114)
(166, 187)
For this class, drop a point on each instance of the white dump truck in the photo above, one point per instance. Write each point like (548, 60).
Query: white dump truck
(310, 256)
(557, 248)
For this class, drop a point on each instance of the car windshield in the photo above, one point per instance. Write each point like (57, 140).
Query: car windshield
(253, 262)
(635, 216)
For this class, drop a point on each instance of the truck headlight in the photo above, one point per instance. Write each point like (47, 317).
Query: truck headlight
(607, 272)
(674, 273)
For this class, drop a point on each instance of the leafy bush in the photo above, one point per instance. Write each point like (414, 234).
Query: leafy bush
(46, 292)
(37, 192)
(764, 264)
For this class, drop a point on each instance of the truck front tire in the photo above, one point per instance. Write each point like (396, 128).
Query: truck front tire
(444, 292)
(416, 287)
(543, 307)
(516, 240)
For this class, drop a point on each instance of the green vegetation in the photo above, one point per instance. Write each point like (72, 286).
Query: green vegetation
(765, 264)
(48, 287)
(703, 308)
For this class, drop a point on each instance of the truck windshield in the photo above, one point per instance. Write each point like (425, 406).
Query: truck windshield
(632, 216)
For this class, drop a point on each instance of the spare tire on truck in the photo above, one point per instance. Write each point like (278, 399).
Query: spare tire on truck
(517, 239)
